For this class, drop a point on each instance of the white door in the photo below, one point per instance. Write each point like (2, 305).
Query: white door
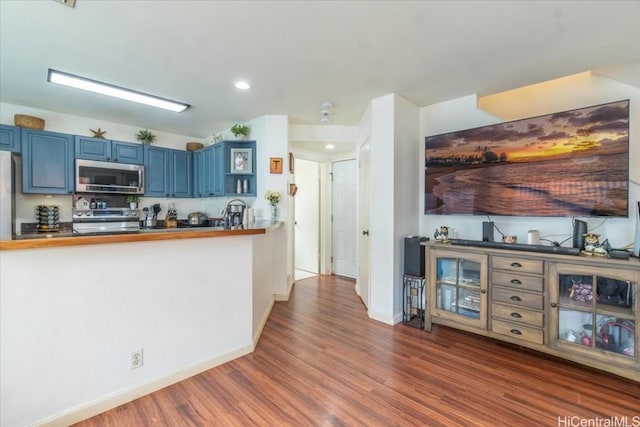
(362, 281)
(307, 216)
(344, 218)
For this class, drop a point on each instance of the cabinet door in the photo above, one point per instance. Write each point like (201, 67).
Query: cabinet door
(594, 312)
(10, 138)
(47, 162)
(92, 148)
(156, 166)
(180, 173)
(127, 152)
(217, 170)
(198, 174)
(458, 287)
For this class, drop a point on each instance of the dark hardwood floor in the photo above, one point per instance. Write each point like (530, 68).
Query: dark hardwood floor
(322, 362)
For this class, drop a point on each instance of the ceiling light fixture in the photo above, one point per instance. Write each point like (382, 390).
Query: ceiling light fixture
(242, 85)
(329, 146)
(325, 112)
(95, 86)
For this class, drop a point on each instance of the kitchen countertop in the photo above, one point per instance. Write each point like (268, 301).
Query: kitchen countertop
(52, 240)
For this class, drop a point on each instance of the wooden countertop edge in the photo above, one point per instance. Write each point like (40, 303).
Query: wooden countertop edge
(59, 242)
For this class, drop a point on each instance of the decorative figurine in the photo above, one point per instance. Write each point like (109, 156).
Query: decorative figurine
(442, 235)
(98, 133)
(593, 247)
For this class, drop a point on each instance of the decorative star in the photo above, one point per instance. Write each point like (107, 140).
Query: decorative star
(98, 133)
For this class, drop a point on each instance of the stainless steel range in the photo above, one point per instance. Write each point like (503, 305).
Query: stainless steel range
(106, 221)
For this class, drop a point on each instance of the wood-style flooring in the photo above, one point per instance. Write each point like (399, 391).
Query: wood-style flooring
(322, 362)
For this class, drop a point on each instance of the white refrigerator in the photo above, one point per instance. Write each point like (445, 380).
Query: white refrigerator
(7, 196)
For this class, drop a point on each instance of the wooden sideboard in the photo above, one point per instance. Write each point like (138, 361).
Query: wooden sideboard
(578, 308)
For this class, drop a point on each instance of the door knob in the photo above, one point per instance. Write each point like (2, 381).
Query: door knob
(365, 232)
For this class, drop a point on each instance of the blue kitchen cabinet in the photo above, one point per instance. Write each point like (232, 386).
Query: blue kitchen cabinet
(208, 172)
(10, 138)
(168, 172)
(127, 152)
(47, 162)
(106, 150)
(180, 172)
(234, 173)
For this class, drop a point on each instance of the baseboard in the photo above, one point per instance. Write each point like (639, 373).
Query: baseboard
(110, 401)
(285, 297)
(382, 318)
(263, 322)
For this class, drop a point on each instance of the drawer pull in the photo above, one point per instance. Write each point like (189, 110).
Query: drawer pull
(554, 305)
(516, 282)
(516, 298)
(515, 332)
(516, 264)
(516, 315)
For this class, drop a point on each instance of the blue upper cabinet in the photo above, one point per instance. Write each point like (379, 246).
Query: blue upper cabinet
(208, 171)
(10, 138)
(168, 172)
(127, 152)
(47, 162)
(156, 167)
(108, 151)
(217, 170)
(180, 173)
(239, 166)
(92, 148)
(199, 189)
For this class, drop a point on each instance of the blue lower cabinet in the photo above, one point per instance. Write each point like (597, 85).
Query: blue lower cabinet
(47, 162)
(10, 138)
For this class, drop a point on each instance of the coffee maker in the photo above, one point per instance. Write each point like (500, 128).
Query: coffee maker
(234, 213)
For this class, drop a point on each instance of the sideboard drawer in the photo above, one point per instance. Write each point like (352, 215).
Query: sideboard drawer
(517, 281)
(518, 264)
(516, 297)
(517, 314)
(514, 330)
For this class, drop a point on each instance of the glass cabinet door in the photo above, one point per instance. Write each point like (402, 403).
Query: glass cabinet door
(596, 312)
(460, 290)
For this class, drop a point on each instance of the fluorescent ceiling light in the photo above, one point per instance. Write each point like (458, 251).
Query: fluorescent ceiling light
(242, 85)
(329, 146)
(114, 91)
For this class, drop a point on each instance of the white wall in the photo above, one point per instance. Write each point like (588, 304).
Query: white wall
(69, 317)
(394, 124)
(543, 98)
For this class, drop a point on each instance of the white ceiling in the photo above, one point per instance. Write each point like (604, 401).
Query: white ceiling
(297, 54)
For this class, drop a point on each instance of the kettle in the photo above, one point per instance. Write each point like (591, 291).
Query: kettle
(197, 218)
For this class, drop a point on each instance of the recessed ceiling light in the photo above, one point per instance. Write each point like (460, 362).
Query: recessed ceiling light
(95, 86)
(329, 146)
(242, 85)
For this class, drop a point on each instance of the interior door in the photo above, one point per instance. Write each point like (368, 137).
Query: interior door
(307, 216)
(362, 282)
(344, 218)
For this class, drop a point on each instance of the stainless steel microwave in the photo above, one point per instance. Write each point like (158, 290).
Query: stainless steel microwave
(107, 177)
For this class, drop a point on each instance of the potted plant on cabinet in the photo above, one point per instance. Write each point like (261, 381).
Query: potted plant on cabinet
(132, 200)
(240, 131)
(145, 136)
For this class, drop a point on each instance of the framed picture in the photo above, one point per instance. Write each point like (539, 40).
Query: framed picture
(275, 165)
(241, 160)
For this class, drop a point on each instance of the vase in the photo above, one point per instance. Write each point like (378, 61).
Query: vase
(274, 213)
(133, 205)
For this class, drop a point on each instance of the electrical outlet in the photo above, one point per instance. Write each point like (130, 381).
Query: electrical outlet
(135, 359)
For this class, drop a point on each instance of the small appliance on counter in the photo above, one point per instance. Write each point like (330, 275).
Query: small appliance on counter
(234, 212)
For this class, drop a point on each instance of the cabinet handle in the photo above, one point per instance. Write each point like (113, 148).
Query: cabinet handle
(516, 298)
(516, 315)
(483, 291)
(554, 305)
(108, 158)
(515, 332)
(516, 264)
(516, 282)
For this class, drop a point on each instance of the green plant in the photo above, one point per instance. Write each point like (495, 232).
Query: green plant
(240, 129)
(145, 136)
(272, 196)
(132, 199)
